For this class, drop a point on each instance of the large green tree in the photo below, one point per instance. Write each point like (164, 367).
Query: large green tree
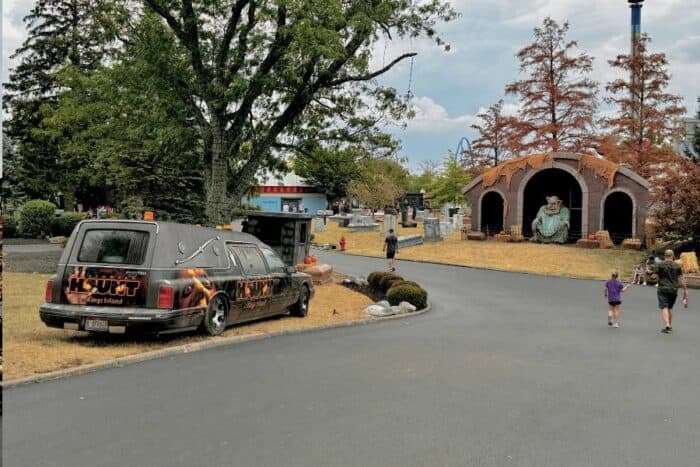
(450, 182)
(267, 75)
(128, 128)
(60, 33)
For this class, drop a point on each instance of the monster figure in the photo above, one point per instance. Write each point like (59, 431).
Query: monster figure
(552, 222)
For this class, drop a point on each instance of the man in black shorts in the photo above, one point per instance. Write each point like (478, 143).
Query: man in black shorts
(670, 277)
(391, 246)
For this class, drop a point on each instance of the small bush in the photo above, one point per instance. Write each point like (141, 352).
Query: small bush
(373, 279)
(396, 283)
(416, 296)
(9, 229)
(36, 217)
(386, 281)
(64, 224)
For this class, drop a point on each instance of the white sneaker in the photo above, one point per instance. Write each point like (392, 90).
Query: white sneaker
(616, 325)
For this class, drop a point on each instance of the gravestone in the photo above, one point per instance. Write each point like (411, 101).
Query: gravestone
(410, 240)
(458, 221)
(319, 224)
(446, 228)
(420, 215)
(389, 223)
(431, 228)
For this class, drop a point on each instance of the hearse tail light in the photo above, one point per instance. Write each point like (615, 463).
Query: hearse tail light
(48, 292)
(166, 297)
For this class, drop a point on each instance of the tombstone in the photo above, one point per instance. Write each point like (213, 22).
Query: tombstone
(431, 228)
(420, 215)
(389, 223)
(356, 219)
(458, 221)
(445, 211)
(366, 220)
(404, 213)
(319, 224)
(446, 228)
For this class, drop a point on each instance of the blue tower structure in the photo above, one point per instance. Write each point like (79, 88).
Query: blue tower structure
(636, 10)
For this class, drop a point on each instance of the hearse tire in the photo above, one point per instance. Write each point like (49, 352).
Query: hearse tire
(301, 307)
(214, 321)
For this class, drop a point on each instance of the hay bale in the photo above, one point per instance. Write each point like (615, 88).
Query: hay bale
(502, 237)
(476, 236)
(632, 244)
(320, 273)
(689, 263)
(603, 237)
(586, 243)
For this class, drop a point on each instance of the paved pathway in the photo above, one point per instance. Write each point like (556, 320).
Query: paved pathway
(508, 369)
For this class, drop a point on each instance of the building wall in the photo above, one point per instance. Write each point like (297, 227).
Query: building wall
(272, 202)
(595, 189)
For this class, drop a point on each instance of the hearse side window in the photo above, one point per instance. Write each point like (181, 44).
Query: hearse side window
(274, 262)
(251, 261)
(113, 247)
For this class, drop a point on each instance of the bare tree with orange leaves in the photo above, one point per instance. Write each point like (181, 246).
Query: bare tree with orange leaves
(496, 141)
(558, 100)
(648, 116)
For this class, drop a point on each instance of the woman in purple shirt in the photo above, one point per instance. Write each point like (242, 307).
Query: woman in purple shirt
(613, 292)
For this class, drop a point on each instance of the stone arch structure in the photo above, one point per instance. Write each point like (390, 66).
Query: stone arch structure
(632, 215)
(596, 177)
(482, 221)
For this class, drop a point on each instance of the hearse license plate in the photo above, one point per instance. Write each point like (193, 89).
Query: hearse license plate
(92, 324)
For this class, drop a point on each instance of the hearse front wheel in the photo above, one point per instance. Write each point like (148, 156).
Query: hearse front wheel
(301, 307)
(215, 317)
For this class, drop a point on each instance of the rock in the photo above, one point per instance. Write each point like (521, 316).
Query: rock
(395, 310)
(383, 303)
(361, 282)
(57, 240)
(376, 310)
(406, 307)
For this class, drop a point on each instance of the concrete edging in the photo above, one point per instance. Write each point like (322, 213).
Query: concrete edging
(194, 347)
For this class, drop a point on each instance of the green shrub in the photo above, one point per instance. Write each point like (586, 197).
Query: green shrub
(36, 217)
(396, 283)
(373, 279)
(386, 281)
(63, 225)
(9, 229)
(416, 296)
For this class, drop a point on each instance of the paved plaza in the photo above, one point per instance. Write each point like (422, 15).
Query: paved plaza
(507, 369)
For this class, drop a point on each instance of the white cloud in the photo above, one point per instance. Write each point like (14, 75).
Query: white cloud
(13, 32)
(434, 118)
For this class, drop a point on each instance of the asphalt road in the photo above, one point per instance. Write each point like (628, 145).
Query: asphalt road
(507, 369)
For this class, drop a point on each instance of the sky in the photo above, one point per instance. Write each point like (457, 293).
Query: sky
(450, 88)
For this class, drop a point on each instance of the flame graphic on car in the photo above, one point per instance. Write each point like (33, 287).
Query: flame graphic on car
(198, 289)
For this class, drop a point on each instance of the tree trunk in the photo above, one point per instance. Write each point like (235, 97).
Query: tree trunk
(218, 205)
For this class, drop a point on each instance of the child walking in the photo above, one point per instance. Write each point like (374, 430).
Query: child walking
(613, 292)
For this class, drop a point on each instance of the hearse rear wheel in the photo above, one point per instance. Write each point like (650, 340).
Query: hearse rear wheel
(301, 307)
(215, 317)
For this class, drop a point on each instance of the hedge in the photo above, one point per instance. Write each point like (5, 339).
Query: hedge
(36, 217)
(9, 229)
(63, 225)
(416, 296)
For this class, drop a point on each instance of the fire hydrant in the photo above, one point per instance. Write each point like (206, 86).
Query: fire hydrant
(342, 243)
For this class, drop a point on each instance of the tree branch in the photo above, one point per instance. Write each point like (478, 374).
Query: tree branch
(374, 74)
(229, 32)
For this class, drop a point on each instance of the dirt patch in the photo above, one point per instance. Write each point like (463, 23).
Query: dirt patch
(31, 348)
(558, 260)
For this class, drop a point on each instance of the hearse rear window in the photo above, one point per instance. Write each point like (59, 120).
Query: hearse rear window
(113, 247)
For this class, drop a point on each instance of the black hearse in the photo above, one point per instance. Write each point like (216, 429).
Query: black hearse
(161, 277)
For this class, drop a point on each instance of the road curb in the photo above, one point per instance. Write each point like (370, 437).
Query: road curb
(194, 347)
(480, 268)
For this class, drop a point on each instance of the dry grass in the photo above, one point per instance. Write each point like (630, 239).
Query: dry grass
(559, 260)
(32, 348)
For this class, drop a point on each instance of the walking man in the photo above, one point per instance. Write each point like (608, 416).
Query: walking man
(391, 246)
(670, 277)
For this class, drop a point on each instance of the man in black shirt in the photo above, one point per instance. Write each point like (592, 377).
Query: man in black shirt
(670, 277)
(391, 246)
